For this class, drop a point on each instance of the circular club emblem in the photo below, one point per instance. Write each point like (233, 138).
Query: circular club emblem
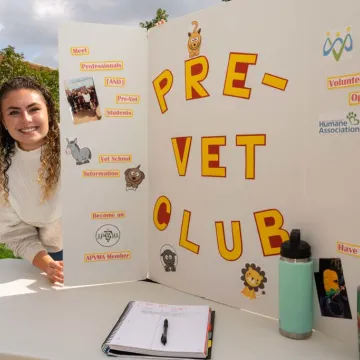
(108, 235)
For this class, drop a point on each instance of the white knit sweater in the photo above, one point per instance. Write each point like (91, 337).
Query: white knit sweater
(27, 226)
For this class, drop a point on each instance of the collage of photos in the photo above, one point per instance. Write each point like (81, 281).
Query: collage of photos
(83, 100)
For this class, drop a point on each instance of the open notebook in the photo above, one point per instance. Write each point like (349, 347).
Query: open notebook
(139, 330)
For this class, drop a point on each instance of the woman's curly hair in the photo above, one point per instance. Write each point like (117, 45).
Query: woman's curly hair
(49, 171)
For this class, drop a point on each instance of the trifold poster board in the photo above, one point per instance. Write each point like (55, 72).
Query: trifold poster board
(190, 152)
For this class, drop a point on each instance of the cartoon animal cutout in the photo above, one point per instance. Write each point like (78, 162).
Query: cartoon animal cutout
(194, 41)
(169, 260)
(254, 279)
(134, 177)
(81, 155)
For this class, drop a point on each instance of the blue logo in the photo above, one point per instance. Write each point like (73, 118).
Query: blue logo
(337, 46)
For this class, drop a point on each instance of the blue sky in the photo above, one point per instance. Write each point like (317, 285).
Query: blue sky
(31, 25)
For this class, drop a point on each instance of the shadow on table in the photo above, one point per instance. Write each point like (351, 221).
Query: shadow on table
(65, 320)
(77, 321)
(18, 277)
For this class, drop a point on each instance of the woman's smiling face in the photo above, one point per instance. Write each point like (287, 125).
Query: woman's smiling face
(25, 115)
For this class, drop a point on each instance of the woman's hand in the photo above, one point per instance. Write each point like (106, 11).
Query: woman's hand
(54, 271)
(160, 22)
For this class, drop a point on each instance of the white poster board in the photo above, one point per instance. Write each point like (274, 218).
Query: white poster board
(252, 137)
(228, 139)
(104, 220)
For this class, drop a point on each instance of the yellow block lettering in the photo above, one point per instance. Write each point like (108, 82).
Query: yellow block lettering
(184, 241)
(269, 225)
(236, 252)
(196, 71)
(181, 147)
(162, 85)
(210, 156)
(236, 73)
(250, 141)
(162, 213)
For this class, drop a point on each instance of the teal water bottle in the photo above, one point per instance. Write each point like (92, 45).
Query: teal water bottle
(296, 288)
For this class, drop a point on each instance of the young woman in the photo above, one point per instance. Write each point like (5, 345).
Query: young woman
(30, 213)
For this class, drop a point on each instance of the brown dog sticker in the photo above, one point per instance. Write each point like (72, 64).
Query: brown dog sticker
(134, 177)
(194, 41)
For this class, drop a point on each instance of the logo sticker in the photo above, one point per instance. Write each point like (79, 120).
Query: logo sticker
(336, 45)
(107, 235)
(339, 124)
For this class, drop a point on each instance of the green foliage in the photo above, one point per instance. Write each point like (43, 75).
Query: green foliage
(161, 14)
(14, 64)
(6, 253)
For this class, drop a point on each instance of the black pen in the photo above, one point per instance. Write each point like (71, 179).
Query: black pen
(164, 334)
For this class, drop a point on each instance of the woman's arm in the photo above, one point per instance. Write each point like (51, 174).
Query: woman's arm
(23, 240)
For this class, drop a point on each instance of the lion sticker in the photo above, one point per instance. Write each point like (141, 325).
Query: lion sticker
(134, 177)
(194, 41)
(254, 279)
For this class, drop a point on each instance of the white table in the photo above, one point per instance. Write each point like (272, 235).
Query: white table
(39, 321)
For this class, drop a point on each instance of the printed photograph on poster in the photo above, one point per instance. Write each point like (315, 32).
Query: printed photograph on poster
(331, 289)
(83, 100)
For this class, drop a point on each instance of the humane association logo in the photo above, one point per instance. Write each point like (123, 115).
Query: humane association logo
(338, 44)
(348, 123)
(107, 235)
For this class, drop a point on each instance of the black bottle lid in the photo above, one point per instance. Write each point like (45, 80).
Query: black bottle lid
(295, 248)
